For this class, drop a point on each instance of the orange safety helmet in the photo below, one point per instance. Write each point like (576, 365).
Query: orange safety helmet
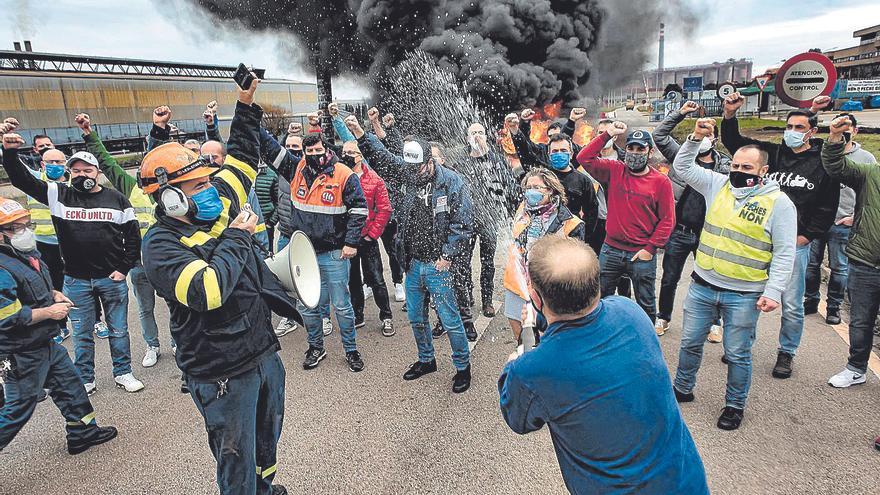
(172, 163)
(11, 211)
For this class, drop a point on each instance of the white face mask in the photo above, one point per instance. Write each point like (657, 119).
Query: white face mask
(609, 144)
(24, 241)
(705, 145)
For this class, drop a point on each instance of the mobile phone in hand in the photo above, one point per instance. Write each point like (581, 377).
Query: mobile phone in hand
(243, 77)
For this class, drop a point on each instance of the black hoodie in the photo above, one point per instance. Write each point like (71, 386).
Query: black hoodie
(800, 175)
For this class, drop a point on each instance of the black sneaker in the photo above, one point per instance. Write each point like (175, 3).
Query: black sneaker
(418, 369)
(313, 357)
(470, 331)
(724, 359)
(184, 389)
(44, 394)
(359, 322)
(489, 310)
(388, 328)
(279, 490)
(682, 397)
(810, 308)
(783, 365)
(438, 330)
(833, 317)
(355, 363)
(101, 435)
(462, 380)
(730, 418)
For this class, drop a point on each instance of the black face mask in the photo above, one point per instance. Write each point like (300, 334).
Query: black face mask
(350, 161)
(83, 183)
(847, 137)
(296, 155)
(44, 150)
(314, 161)
(741, 179)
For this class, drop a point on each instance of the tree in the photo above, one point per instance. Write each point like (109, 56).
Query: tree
(275, 119)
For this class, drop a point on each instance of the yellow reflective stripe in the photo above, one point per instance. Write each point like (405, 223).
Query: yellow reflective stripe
(10, 309)
(88, 418)
(268, 471)
(229, 177)
(197, 239)
(185, 278)
(261, 227)
(247, 170)
(212, 289)
(258, 470)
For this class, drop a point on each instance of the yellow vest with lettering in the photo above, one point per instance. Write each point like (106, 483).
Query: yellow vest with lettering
(734, 242)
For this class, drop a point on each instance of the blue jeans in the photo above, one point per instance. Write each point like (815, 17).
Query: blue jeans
(145, 296)
(424, 281)
(334, 290)
(85, 294)
(48, 366)
(864, 298)
(793, 303)
(283, 241)
(244, 420)
(702, 307)
(836, 239)
(614, 263)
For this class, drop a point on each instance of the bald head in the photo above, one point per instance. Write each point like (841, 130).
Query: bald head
(215, 150)
(54, 156)
(566, 288)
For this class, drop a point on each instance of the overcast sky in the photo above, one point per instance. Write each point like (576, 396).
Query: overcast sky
(766, 31)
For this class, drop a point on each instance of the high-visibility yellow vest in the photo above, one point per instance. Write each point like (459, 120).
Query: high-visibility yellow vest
(40, 215)
(733, 242)
(144, 209)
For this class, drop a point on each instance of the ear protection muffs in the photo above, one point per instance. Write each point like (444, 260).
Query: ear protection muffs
(171, 199)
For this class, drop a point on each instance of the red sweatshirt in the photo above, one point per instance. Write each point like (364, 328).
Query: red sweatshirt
(641, 209)
(377, 203)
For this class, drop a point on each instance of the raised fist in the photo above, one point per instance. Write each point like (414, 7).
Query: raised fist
(161, 116)
(351, 122)
(295, 129)
(616, 129)
(12, 141)
(84, 122)
(208, 117)
(388, 120)
(12, 121)
(314, 118)
(838, 127)
(577, 113)
(246, 96)
(511, 123)
(819, 103)
(527, 114)
(688, 107)
(211, 106)
(732, 103)
(6, 127)
(373, 114)
(333, 109)
(704, 127)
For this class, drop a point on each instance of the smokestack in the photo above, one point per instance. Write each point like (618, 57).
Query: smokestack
(16, 45)
(325, 95)
(27, 46)
(660, 56)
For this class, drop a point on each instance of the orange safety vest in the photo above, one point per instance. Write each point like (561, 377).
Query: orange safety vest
(515, 276)
(325, 195)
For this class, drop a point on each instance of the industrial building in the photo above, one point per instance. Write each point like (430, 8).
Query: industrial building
(44, 91)
(861, 61)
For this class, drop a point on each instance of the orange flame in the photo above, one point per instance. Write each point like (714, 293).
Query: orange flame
(543, 118)
(583, 133)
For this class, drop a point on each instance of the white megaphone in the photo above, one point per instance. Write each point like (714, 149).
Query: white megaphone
(296, 266)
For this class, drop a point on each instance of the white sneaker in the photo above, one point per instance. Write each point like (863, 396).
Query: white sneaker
(368, 292)
(328, 326)
(399, 293)
(661, 326)
(715, 334)
(91, 387)
(846, 378)
(150, 357)
(285, 326)
(101, 330)
(129, 383)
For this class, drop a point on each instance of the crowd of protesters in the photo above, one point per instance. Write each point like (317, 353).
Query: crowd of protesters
(584, 223)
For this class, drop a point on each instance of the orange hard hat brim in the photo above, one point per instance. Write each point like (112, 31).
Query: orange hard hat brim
(195, 174)
(5, 219)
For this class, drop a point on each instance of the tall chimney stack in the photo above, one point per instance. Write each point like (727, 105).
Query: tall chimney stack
(325, 96)
(660, 56)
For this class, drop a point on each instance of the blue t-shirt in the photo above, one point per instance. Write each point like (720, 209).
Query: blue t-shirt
(601, 385)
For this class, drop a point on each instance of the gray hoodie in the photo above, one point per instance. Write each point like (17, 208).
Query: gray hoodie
(781, 226)
(847, 205)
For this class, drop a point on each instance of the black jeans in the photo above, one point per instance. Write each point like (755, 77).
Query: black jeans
(394, 248)
(51, 256)
(863, 287)
(369, 260)
(682, 242)
(488, 240)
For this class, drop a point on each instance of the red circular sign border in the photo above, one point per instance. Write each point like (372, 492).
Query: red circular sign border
(823, 60)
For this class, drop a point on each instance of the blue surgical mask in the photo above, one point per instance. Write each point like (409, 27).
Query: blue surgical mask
(560, 160)
(793, 139)
(54, 171)
(533, 197)
(208, 204)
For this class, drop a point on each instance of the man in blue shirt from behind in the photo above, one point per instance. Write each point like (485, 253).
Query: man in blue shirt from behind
(598, 380)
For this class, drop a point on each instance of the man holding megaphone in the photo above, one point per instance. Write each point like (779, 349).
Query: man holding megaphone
(200, 257)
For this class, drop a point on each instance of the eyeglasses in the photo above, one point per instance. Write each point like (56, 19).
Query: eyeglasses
(18, 228)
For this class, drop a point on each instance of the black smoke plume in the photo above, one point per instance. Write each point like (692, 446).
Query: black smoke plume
(508, 53)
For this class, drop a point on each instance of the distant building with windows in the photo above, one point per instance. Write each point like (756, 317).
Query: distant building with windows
(861, 61)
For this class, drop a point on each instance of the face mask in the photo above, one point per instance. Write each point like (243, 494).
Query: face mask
(83, 183)
(24, 241)
(635, 162)
(472, 140)
(741, 180)
(54, 171)
(42, 151)
(349, 160)
(793, 139)
(608, 145)
(208, 204)
(705, 146)
(533, 197)
(314, 161)
(296, 155)
(559, 160)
